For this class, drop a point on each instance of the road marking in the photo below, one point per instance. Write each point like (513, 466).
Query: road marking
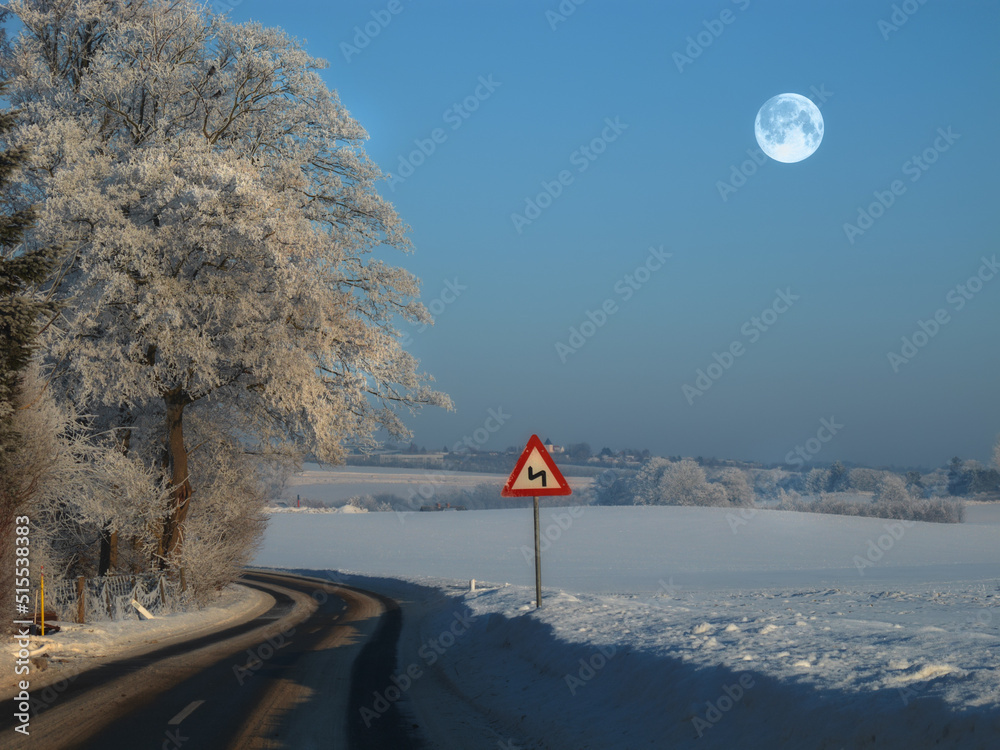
(185, 713)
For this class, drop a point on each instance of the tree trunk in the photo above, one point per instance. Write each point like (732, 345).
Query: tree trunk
(108, 561)
(173, 533)
(109, 551)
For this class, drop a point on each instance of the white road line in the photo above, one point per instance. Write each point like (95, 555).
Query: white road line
(185, 713)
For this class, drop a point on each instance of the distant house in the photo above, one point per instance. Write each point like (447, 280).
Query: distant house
(552, 447)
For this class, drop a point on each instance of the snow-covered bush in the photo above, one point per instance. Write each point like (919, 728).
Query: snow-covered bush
(663, 482)
(370, 504)
(74, 485)
(864, 480)
(935, 483)
(736, 486)
(936, 510)
(817, 480)
(891, 489)
(615, 487)
(646, 484)
(684, 483)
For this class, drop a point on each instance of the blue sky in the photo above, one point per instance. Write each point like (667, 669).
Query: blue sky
(646, 111)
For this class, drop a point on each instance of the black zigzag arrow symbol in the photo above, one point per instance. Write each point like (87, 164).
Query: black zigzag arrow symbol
(532, 476)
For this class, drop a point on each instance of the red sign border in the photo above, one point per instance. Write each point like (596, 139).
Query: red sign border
(535, 444)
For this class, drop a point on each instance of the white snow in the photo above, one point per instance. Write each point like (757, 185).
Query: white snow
(636, 549)
(662, 627)
(82, 646)
(694, 627)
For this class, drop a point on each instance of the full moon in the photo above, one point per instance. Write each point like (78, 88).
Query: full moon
(789, 128)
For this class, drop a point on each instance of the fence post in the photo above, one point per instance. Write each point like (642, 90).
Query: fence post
(81, 599)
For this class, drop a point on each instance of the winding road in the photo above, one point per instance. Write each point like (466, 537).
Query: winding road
(296, 677)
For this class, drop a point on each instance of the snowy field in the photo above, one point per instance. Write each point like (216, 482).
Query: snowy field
(335, 485)
(696, 627)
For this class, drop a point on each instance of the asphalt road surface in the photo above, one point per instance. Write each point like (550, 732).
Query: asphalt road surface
(295, 677)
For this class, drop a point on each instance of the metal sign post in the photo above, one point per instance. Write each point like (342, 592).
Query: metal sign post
(538, 559)
(536, 474)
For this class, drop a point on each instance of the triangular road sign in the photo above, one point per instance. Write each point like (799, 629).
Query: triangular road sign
(535, 474)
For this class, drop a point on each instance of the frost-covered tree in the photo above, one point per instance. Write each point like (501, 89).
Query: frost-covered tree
(23, 305)
(646, 484)
(72, 484)
(665, 482)
(222, 217)
(935, 484)
(684, 483)
(864, 480)
(615, 487)
(767, 483)
(226, 524)
(736, 486)
(891, 489)
(837, 478)
(817, 480)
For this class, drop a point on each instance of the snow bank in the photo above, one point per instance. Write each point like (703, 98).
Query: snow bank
(781, 668)
(694, 627)
(83, 646)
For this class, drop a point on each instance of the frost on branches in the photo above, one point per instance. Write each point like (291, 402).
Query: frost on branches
(219, 217)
